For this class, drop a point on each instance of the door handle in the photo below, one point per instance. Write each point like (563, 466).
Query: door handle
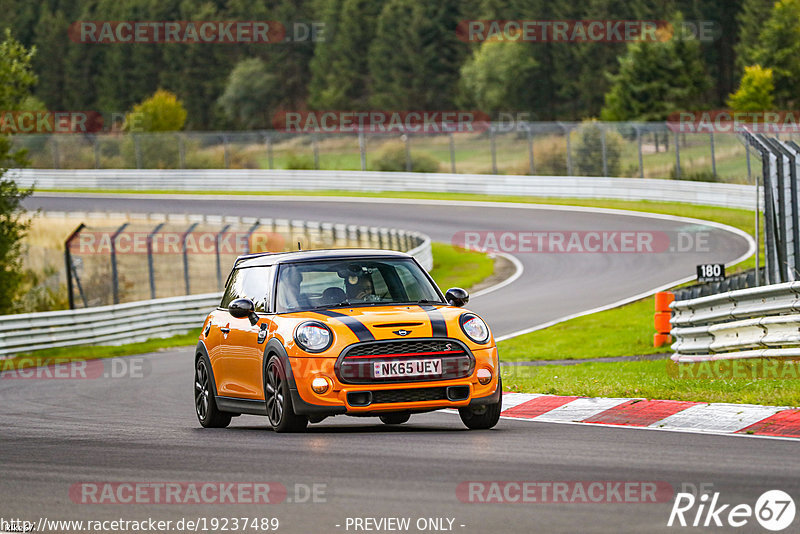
(224, 329)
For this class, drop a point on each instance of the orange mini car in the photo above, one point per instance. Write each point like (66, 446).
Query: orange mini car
(300, 336)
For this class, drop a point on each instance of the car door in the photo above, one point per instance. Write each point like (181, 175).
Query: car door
(242, 347)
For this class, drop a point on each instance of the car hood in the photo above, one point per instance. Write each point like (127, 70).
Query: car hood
(395, 322)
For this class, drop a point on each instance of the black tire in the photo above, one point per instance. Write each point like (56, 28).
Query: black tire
(483, 417)
(397, 418)
(279, 402)
(205, 402)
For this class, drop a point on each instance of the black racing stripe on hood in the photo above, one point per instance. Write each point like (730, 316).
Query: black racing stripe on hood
(438, 324)
(356, 326)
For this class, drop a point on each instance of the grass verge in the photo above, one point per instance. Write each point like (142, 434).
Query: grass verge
(624, 331)
(652, 380)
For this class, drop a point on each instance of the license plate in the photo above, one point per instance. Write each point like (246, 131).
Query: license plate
(399, 369)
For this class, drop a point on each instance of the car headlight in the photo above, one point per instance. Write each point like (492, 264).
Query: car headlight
(313, 336)
(474, 327)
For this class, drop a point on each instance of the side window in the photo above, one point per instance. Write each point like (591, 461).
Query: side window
(256, 285)
(234, 289)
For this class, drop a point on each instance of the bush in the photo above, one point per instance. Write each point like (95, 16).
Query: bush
(392, 157)
(698, 176)
(589, 151)
(299, 162)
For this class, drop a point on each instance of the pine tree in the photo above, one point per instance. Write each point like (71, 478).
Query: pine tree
(51, 58)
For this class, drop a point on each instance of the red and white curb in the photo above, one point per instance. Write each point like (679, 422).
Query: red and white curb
(679, 416)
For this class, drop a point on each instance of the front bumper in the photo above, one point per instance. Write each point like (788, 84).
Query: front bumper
(374, 399)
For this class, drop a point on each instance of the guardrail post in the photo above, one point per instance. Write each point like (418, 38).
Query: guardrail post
(71, 268)
(150, 269)
(217, 253)
(114, 271)
(186, 258)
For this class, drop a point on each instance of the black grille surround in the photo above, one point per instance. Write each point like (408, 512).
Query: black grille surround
(355, 363)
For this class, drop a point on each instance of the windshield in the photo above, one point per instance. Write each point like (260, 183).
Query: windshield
(348, 282)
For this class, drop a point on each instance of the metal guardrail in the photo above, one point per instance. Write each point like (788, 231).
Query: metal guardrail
(258, 180)
(129, 322)
(750, 323)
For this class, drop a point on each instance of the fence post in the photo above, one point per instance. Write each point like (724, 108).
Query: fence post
(54, 141)
(531, 162)
(605, 155)
(567, 132)
(71, 268)
(253, 229)
(217, 253)
(452, 153)
(677, 156)
(713, 156)
(114, 271)
(226, 151)
(494, 148)
(407, 140)
(138, 151)
(362, 148)
(150, 269)
(315, 148)
(181, 152)
(96, 143)
(186, 258)
(641, 159)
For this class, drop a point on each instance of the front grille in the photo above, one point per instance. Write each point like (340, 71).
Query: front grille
(388, 396)
(382, 348)
(356, 363)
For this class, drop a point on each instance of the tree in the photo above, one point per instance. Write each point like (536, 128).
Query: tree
(656, 79)
(590, 147)
(778, 48)
(162, 112)
(415, 64)
(755, 91)
(751, 18)
(340, 68)
(50, 61)
(16, 80)
(500, 76)
(250, 94)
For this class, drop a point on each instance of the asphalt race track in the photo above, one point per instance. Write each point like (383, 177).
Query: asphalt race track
(142, 427)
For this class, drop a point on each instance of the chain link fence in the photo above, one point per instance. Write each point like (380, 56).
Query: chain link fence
(646, 150)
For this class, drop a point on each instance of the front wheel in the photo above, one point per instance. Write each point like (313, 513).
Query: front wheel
(279, 402)
(205, 403)
(483, 417)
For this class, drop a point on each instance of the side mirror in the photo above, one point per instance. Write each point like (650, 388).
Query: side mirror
(456, 296)
(241, 308)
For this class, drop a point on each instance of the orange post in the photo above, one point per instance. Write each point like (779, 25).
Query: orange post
(662, 317)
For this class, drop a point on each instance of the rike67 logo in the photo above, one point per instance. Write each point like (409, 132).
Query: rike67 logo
(774, 510)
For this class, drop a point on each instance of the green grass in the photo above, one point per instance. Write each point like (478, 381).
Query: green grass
(624, 331)
(456, 267)
(647, 379)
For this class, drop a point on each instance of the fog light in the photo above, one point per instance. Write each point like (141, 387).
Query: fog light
(320, 385)
(484, 375)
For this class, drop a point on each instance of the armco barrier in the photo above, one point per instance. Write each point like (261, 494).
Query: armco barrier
(256, 180)
(749, 323)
